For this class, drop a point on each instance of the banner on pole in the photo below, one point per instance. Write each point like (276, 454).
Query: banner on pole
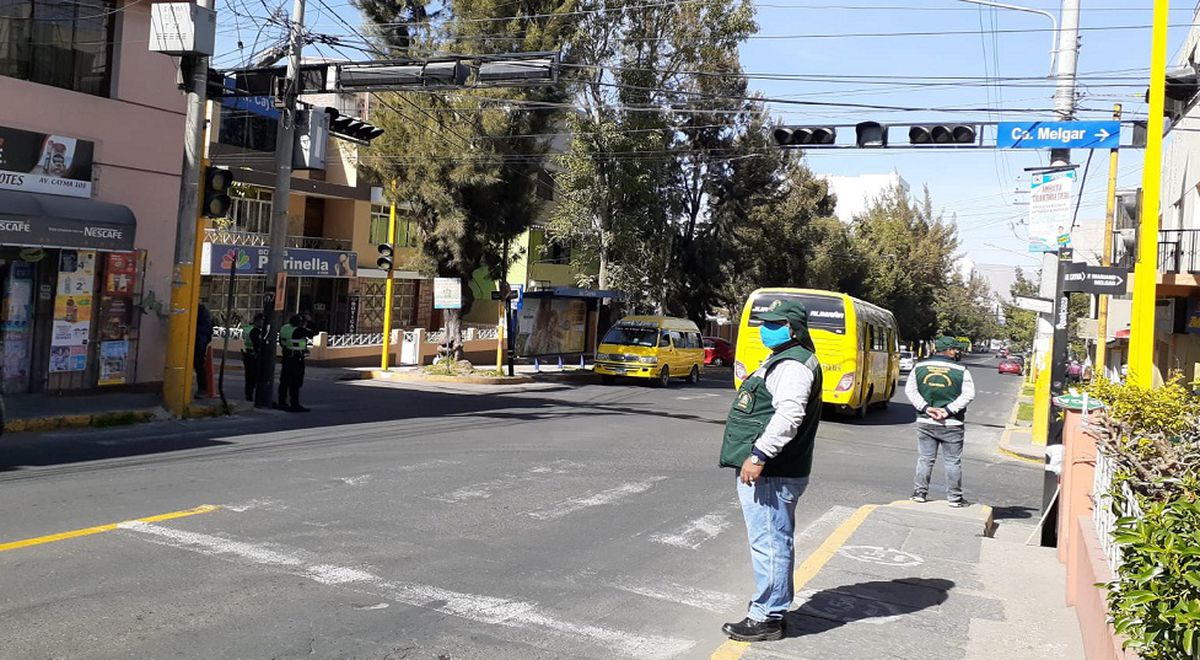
(1050, 211)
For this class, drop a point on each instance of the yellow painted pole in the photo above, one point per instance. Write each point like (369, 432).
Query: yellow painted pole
(1145, 273)
(1110, 210)
(389, 287)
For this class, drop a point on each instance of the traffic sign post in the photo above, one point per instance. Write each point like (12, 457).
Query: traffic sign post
(1058, 135)
(1084, 278)
(1039, 305)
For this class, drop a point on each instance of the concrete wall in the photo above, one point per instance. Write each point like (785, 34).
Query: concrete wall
(139, 152)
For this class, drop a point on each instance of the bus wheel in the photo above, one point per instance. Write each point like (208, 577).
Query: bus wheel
(694, 376)
(664, 377)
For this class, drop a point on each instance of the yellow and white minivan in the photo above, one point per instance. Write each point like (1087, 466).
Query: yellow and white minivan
(856, 343)
(653, 347)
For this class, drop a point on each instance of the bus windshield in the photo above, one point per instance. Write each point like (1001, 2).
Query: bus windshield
(626, 335)
(824, 312)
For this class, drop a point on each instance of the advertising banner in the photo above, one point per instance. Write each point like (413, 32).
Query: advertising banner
(552, 326)
(218, 258)
(16, 329)
(447, 293)
(114, 362)
(44, 163)
(120, 273)
(1050, 211)
(72, 311)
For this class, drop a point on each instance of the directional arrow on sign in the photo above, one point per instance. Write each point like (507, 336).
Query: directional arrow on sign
(1094, 279)
(1103, 134)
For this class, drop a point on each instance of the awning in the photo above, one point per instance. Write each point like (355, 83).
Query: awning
(39, 220)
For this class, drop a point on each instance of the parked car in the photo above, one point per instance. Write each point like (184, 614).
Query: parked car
(907, 361)
(717, 352)
(1018, 358)
(1009, 366)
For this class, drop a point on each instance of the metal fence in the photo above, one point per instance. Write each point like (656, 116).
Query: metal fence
(1106, 510)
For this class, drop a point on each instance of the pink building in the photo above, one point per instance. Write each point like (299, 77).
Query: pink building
(91, 135)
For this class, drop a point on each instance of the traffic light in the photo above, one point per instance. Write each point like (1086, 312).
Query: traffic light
(1183, 84)
(351, 128)
(942, 134)
(217, 181)
(808, 136)
(387, 253)
(870, 134)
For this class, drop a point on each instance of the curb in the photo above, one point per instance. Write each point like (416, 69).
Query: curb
(100, 419)
(428, 378)
(1005, 447)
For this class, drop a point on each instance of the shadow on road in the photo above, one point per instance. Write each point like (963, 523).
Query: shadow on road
(1013, 512)
(833, 608)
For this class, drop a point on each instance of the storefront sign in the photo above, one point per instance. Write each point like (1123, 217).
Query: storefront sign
(219, 258)
(39, 162)
(352, 304)
(447, 293)
(72, 311)
(1050, 211)
(63, 232)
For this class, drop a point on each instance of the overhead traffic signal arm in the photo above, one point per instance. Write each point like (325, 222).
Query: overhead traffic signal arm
(943, 134)
(874, 135)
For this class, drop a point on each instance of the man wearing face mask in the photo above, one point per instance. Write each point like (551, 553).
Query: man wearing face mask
(769, 437)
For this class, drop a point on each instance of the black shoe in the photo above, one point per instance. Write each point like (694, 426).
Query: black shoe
(298, 408)
(749, 630)
(959, 504)
(918, 498)
(280, 406)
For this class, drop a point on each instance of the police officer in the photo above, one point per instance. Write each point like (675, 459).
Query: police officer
(769, 439)
(940, 389)
(293, 338)
(251, 347)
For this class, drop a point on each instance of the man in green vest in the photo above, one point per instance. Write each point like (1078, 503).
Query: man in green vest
(251, 345)
(769, 437)
(940, 389)
(293, 339)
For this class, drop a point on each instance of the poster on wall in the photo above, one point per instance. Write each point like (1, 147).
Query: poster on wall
(114, 362)
(72, 311)
(447, 293)
(45, 163)
(120, 273)
(16, 336)
(552, 326)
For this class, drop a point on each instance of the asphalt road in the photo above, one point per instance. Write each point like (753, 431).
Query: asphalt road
(396, 521)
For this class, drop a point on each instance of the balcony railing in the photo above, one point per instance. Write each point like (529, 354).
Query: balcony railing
(1179, 250)
(255, 239)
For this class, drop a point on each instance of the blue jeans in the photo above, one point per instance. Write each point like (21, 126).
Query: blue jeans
(769, 507)
(949, 439)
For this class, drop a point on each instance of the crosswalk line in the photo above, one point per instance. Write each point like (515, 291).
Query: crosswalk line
(696, 532)
(718, 602)
(571, 505)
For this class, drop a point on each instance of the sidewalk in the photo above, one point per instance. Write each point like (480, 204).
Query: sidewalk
(922, 581)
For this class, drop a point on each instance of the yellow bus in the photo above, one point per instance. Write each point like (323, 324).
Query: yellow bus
(856, 343)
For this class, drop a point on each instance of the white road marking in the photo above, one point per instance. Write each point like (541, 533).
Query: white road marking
(820, 528)
(705, 599)
(250, 505)
(355, 481)
(691, 397)
(425, 465)
(568, 506)
(474, 607)
(873, 554)
(485, 489)
(695, 533)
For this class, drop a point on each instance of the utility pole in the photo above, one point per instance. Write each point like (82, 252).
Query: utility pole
(284, 140)
(1110, 211)
(389, 296)
(1053, 359)
(1145, 272)
(181, 323)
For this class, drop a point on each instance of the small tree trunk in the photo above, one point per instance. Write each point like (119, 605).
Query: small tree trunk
(451, 347)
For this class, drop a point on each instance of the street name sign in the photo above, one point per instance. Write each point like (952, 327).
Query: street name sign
(1040, 305)
(1058, 135)
(1084, 278)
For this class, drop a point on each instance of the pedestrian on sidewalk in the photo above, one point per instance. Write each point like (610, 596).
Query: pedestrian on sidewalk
(204, 335)
(769, 438)
(940, 389)
(293, 338)
(252, 341)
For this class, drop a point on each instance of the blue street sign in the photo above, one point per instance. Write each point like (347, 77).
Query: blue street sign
(1058, 135)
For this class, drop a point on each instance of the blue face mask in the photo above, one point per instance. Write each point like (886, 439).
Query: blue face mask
(774, 334)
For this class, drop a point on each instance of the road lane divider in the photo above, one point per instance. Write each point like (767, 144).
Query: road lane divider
(731, 650)
(100, 529)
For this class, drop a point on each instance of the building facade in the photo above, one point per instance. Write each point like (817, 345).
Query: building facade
(91, 146)
(855, 194)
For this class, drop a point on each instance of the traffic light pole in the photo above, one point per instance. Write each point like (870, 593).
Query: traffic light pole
(181, 324)
(389, 294)
(1110, 212)
(284, 140)
(1145, 272)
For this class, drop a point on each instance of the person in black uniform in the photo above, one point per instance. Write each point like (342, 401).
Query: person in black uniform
(293, 338)
(252, 341)
(204, 335)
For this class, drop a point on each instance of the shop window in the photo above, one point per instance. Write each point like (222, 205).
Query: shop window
(64, 43)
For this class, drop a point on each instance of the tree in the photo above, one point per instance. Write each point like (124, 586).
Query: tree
(909, 251)
(1020, 325)
(469, 162)
(966, 308)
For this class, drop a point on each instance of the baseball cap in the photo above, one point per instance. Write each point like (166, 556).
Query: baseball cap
(787, 311)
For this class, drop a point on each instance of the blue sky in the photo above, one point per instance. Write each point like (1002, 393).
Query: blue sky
(828, 41)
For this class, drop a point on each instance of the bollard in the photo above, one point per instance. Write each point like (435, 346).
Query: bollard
(537, 366)
(560, 363)
(581, 365)
(209, 381)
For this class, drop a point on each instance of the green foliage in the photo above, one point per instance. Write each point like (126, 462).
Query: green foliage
(1154, 438)
(1024, 412)
(909, 250)
(1020, 325)
(965, 308)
